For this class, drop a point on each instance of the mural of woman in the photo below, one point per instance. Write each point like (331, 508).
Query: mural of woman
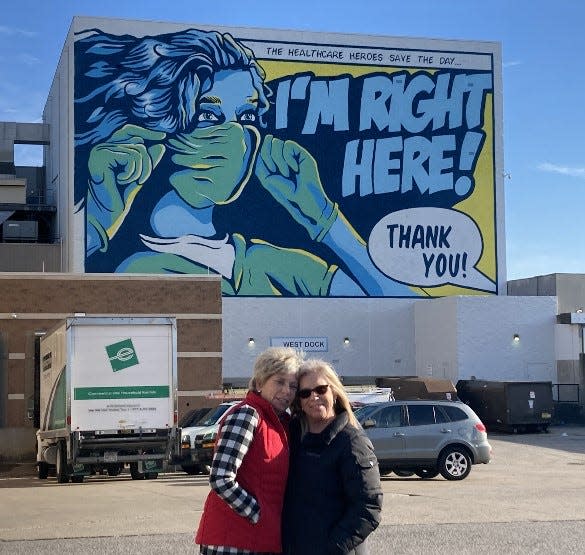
(168, 128)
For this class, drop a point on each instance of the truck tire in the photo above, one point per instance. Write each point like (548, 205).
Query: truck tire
(61, 470)
(136, 475)
(151, 475)
(43, 469)
(77, 479)
(114, 469)
(191, 469)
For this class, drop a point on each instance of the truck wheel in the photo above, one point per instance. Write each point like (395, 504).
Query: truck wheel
(43, 469)
(191, 470)
(77, 479)
(136, 475)
(114, 469)
(61, 470)
(151, 475)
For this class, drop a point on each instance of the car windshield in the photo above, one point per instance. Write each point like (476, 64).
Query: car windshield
(193, 417)
(214, 416)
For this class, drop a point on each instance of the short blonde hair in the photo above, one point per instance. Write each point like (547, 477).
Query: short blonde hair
(326, 370)
(274, 360)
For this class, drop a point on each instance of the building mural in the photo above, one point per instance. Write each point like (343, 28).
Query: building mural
(289, 168)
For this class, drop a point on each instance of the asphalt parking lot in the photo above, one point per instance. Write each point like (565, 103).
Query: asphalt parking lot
(533, 487)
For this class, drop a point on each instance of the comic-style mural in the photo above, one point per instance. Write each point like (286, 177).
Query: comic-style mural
(288, 169)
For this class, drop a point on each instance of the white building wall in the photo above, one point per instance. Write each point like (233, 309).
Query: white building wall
(380, 333)
(486, 328)
(461, 337)
(58, 113)
(435, 323)
(454, 337)
(568, 341)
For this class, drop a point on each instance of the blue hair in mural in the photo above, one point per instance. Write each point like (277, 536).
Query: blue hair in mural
(169, 132)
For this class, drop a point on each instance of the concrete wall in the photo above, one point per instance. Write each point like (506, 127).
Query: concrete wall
(571, 292)
(380, 332)
(30, 257)
(436, 338)
(18, 444)
(487, 347)
(12, 190)
(461, 337)
(58, 114)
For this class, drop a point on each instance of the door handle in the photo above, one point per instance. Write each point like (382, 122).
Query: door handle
(398, 434)
(445, 431)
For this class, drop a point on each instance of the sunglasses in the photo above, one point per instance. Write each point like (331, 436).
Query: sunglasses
(319, 390)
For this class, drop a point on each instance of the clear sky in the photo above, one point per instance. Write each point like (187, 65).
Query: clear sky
(543, 45)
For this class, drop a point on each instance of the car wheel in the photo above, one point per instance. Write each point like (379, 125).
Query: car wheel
(454, 463)
(427, 473)
(403, 473)
(384, 471)
(151, 475)
(77, 479)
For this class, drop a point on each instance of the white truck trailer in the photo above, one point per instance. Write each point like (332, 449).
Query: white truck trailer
(108, 397)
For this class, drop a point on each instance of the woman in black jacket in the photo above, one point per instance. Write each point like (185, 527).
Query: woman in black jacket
(334, 496)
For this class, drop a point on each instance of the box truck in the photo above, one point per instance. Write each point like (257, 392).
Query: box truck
(107, 397)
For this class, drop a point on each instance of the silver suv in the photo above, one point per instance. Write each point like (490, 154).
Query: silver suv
(425, 437)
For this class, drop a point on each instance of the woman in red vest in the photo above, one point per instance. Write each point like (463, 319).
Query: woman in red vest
(242, 513)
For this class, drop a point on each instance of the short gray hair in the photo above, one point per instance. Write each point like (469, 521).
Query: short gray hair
(275, 360)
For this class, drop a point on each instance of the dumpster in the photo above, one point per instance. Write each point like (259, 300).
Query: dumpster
(419, 387)
(509, 406)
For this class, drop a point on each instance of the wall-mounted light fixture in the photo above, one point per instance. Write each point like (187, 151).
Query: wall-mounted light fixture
(251, 342)
(579, 310)
(346, 340)
(13, 315)
(516, 338)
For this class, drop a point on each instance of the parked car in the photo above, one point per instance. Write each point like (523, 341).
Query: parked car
(189, 459)
(192, 417)
(426, 438)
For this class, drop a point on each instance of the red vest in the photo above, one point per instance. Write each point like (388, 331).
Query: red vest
(263, 474)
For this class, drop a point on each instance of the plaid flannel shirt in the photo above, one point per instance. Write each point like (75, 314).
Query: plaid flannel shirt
(234, 437)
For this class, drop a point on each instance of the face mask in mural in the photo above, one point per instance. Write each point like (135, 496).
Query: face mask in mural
(218, 162)
(218, 155)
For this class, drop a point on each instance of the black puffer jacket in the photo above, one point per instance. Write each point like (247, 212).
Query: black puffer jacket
(334, 496)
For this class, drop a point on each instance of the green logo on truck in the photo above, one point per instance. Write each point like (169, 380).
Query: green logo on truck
(122, 355)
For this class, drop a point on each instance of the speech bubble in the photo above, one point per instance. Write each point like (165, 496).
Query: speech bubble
(427, 247)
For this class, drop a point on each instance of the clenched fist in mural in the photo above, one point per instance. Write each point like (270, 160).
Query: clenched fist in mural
(118, 168)
(290, 174)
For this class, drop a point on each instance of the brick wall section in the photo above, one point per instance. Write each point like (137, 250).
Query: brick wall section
(41, 301)
(199, 335)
